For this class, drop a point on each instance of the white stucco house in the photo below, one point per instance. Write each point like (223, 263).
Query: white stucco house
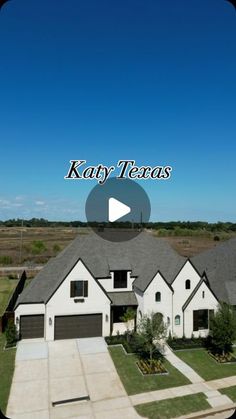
(84, 291)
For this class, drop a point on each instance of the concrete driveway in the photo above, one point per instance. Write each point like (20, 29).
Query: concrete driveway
(48, 373)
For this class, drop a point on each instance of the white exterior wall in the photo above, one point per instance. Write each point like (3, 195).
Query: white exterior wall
(165, 305)
(62, 304)
(139, 296)
(108, 283)
(28, 309)
(181, 294)
(199, 303)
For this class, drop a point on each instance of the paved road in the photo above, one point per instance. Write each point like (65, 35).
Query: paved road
(20, 268)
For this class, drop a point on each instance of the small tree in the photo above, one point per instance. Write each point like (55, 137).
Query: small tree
(150, 330)
(11, 333)
(127, 317)
(223, 329)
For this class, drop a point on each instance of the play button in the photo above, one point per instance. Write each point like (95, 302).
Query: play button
(118, 209)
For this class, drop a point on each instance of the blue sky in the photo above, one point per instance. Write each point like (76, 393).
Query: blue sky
(147, 80)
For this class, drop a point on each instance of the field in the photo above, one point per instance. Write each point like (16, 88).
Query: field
(31, 245)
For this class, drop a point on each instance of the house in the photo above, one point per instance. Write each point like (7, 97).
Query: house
(84, 291)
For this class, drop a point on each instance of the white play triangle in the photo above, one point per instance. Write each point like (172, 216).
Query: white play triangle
(117, 210)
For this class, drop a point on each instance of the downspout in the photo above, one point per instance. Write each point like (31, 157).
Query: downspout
(172, 320)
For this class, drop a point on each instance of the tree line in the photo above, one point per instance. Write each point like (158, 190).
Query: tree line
(168, 225)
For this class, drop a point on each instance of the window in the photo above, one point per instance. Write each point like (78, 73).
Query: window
(177, 320)
(203, 294)
(201, 319)
(187, 284)
(158, 297)
(120, 279)
(79, 289)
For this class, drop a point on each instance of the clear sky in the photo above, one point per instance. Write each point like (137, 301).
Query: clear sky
(102, 80)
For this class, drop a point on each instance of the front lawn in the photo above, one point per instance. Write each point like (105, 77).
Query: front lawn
(205, 365)
(132, 379)
(7, 287)
(7, 363)
(173, 408)
(230, 392)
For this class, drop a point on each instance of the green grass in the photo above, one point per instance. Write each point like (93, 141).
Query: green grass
(7, 286)
(230, 392)
(205, 365)
(172, 408)
(7, 364)
(134, 382)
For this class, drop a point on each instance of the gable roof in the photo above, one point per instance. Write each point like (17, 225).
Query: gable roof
(202, 280)
(143, 255)
(219, 264)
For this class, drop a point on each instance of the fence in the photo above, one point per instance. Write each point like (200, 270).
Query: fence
(9, 312)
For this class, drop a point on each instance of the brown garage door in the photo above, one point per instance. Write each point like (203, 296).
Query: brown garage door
(32, 326)
(82, 326)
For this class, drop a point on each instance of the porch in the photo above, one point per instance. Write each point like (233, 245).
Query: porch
(121, 301)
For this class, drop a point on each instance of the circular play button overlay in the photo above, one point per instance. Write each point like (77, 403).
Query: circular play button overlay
(117, 210)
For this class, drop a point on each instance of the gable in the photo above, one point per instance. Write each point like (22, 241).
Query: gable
(198, 299)
(79, 272)
(188, 271)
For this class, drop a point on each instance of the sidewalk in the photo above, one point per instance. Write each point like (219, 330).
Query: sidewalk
(181, 365)
(209, 388)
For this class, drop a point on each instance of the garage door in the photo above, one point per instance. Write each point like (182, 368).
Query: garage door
(82, 326)
(32, 326)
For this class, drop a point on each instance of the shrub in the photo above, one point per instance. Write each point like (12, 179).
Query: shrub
(11, 333)
(186, 343)
(38, 247)
(56, 248)
(5, 260)
(223, 329)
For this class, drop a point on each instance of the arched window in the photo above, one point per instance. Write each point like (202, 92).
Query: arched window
(158, 297)
(177, 320)
(187, 284)
(168, 321)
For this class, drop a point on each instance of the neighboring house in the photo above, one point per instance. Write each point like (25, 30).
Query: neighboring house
(84, 291)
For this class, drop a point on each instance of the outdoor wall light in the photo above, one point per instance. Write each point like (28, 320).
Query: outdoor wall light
(107, 318)
(17, 320)
(50, 321)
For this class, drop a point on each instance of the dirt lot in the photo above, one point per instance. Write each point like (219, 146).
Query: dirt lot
(39, 244)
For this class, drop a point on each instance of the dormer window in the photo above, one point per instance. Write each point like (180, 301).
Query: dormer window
(158, 297)
(187, 284)
(120, 279)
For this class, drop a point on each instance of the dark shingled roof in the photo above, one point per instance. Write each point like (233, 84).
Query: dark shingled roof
(144, 256)
(220, 266)
(125, 298)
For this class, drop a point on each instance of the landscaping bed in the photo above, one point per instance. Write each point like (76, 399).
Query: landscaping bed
(173, 408)
(223, 359)
(184, 343)
(149, 368)
(121, 340)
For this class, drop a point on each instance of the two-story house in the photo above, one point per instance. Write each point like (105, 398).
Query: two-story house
(84, 291)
